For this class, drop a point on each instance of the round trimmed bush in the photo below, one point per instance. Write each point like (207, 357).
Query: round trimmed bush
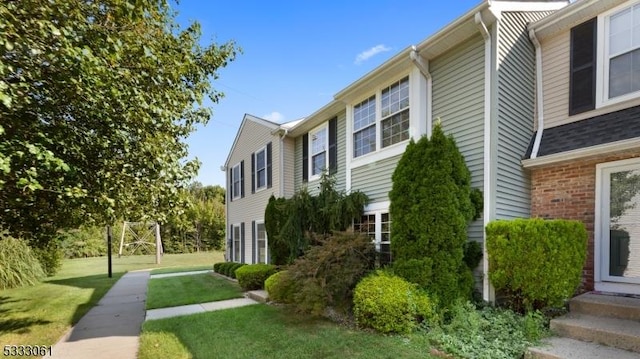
(19, 266)
(252, 277)
(281, 287)
(233, 268)
(390, 304)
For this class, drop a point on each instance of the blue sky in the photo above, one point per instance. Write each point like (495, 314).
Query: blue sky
(297, 55)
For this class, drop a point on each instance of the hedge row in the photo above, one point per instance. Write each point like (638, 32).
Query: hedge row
(227, 268)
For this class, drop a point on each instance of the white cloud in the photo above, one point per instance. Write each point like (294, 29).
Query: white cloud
(367, 54)
(274, 116)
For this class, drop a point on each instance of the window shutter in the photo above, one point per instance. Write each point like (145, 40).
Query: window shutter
(333, 145)
(242, 242)
(254, 242)
(582, 82)
(253, 172)
(230, 199)
(305, 157)
(242, 179)
(269, 170)
(229, 250)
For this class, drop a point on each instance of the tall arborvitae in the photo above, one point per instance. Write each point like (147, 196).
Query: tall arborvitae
(430, 208)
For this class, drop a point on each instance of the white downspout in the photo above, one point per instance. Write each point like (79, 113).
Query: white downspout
(539, 102)
(488, 175)
(283, 134)
(424, 70)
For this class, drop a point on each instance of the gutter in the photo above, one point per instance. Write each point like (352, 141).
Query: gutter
(423, 66)
(539, 101)
(488, 175)
(283, 133)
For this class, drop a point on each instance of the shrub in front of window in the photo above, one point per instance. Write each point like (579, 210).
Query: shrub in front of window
(281, 287)
(390, 304)
(537, 263)
(431, 204)
(290, 222)
(252, 276)
(20, 267)
(326, 274)
(233, 268)
(222, 268)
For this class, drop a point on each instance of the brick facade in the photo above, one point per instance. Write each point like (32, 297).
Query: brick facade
(568, 190)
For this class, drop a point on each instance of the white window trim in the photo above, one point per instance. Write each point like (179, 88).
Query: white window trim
(266, 242)
(324, 126)
(255, 184)
(602, 66)
(417, 115)
(377, 209)
(602, 282)
(233, 242)
(233, 194)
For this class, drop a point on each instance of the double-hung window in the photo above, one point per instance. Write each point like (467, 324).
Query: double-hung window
(382, 120)
(605, 59)
(395, 113)
(364, 127)
(237, 249)
(319, 146)
(236, 181)
(622, 52)
(261, 169)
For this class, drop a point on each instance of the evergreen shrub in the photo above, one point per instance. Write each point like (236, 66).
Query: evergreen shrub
(18, 265)
(537, 263)
(252, 276)
(233, 268)
(431, 205)
(281, 287)
(390, 304)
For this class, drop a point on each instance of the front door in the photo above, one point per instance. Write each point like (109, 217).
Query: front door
(618, 226)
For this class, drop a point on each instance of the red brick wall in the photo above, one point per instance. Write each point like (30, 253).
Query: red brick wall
(567, 190)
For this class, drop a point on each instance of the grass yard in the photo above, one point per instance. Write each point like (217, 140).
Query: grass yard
(262, 331)
(190, 289)
(41, 314)
(181, 269)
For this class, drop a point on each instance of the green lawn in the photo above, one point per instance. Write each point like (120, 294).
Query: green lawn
(190, 289)
(262, 331)
(181, 269)
(41, 314)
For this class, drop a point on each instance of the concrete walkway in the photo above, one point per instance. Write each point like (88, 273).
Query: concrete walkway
(112, 328)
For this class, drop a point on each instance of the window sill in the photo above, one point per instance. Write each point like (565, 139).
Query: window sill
(381, 154)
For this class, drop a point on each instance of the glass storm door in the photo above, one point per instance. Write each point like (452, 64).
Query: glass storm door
(620, 223)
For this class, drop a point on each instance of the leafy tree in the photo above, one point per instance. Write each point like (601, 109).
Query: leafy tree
(96, 98)
(201, 224)
(290, 222)
(430, 206)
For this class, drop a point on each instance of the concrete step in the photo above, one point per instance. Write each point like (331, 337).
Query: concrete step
(260, 296)
(613, 332)
(605, 305)
(567, 348)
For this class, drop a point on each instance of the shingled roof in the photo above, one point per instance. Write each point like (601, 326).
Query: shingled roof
(598, 130)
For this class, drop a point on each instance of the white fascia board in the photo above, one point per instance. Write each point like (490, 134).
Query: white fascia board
(247, 117)
(604, 149)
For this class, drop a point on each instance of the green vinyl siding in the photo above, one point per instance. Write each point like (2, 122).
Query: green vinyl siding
(515, 115)
(375, 179)
(458, 101)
